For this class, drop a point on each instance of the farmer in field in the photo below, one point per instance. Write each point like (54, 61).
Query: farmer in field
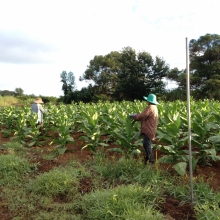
(149, 122)
(39, 110)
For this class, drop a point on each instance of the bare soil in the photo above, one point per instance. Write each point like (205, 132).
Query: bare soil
(172, 208)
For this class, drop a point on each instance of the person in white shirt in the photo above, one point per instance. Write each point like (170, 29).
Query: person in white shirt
(39, 110)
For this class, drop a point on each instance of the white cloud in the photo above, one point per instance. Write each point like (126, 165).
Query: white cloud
(40, 39)
(18, 48)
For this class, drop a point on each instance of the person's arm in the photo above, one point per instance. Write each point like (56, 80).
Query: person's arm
(143, 115)
(41, 109)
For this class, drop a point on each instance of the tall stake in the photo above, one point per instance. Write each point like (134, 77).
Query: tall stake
(189, 120)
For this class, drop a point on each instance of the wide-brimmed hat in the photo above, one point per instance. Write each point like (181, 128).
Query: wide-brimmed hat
(151, 98)
(38, 101)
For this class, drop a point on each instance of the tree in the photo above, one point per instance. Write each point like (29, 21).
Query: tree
(68, 80)
(205, 63)
(19, 91)
(7, 93)
(139, 74)
(102, 70)
(204, 68)
(84, 95)
(126, 75)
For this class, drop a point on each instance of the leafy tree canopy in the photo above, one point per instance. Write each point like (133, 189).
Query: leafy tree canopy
(126, 74)
(19, 91)
(204, 66)
(68, 80)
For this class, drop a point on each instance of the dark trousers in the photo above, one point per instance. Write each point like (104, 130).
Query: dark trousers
(148, 150)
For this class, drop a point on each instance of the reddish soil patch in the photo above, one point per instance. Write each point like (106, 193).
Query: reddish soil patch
(171, 208)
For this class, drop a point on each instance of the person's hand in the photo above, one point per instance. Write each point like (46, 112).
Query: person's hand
(132, 115)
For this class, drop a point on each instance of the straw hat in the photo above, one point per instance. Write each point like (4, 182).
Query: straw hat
(38, 101)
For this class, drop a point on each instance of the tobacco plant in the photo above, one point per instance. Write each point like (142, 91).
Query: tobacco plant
(64, 135)
(90, 127)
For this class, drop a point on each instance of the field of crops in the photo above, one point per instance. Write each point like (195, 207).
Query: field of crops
(112, 120)
(106, 129)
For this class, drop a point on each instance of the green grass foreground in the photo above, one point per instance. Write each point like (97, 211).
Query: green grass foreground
(121, 189)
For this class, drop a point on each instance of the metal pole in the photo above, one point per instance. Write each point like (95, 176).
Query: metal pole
(189, 120)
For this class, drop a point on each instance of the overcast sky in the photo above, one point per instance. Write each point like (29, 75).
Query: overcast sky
(40, 39)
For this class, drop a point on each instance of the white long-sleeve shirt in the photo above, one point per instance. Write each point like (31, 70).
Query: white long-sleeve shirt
(37, 108)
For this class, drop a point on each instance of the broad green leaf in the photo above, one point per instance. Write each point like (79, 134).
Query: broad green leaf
(62, 150)
(217, 116)
(95, 116)
(31, 143)
(195, 143)
(215, 139)
(194, 162)
(172, 129)
(184, 158)
(211, 126)
(210, 151)
(180, 168)
(215, 158)
(166, 139)
(165, 159)
(177, 119)
(198, 116)
(70, 139)
(199, 130)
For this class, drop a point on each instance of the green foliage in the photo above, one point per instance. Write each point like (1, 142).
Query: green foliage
(126, 190)
(13, 169)
(68, 80)
(173, 136)
(64, 132)
(204, 68)
(102, 123)
(207, 201)
(125, 75)
(7, 100)
(127, 136)
(123, 202)
(130, 171)
(19, 91)
(37, 206)
(56, 182)
(90, 125)
(13, 148)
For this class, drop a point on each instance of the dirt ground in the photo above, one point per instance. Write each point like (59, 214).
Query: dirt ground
(172, 208)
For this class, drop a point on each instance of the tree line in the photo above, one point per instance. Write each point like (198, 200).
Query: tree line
(128, 75)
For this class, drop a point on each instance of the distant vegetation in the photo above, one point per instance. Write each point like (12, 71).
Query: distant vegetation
(17, 97)
(8, 100)
(127, 75)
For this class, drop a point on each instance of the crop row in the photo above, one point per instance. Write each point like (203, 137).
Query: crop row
(112, 120)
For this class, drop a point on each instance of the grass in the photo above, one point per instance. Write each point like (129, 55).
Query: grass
(13, 169)
(8, 101)
(122, 202)
(123, 189)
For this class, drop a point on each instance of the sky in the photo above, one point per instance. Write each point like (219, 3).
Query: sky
(41, 39)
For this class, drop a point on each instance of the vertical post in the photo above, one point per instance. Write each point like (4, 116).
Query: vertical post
(189, 120)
